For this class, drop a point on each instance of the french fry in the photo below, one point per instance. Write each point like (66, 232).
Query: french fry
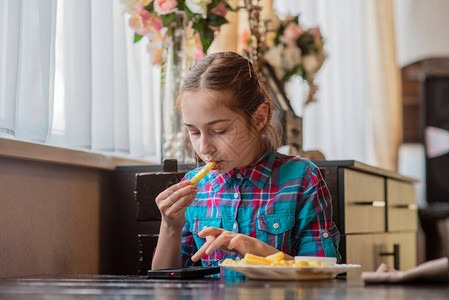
(229, 261)
(252, 259)
(198, 176)
(278, 256)
(302, 263)
(277, 259)
(314, 264)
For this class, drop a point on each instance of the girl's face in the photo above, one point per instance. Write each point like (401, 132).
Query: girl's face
(218, 133)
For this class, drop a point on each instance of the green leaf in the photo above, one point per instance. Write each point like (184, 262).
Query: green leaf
(296, 19)
(137, 37)
(228, 7)
(216, 20)
(279, 33)
(199, 26)
(168, 19)
(306, 43)
(150, 7)
(298, 70)
(189, 13)
(181, 4)
(206, 35)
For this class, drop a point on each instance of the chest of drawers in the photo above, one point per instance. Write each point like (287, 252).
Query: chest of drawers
(376, 213)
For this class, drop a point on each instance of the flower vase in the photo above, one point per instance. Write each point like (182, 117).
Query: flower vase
(175, 143)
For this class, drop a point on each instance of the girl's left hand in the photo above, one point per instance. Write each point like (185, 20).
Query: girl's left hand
(224, 239)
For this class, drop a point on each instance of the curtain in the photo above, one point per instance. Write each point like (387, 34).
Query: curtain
(384, 84)
(108, 90)
(27, 37)
(72, 77)
(353, 117)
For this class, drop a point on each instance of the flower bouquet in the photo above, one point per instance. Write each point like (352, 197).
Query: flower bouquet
(158, 19)
(292, 49)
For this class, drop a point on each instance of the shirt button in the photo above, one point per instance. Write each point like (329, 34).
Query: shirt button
(275, 225)
(234, 226)
(325, 235)
(236, 195)
(239, 175)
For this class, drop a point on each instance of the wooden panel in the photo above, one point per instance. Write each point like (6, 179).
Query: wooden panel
(402, 219)
(148, 187)
(407, 248)
(363, 187)
(400, 193)
(402, 209)
(364, 202)
(364, 250)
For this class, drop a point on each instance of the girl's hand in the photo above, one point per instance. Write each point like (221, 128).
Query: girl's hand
(173, 203)
(226, 240)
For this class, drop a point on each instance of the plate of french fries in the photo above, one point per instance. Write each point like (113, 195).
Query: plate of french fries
(275, 267)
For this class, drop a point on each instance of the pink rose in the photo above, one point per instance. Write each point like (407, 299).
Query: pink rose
(220, 9)
(164, 7)
(138, 21)
(291, 33)
(156, 23)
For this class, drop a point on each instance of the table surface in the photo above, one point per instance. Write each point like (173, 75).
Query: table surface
(138, 287)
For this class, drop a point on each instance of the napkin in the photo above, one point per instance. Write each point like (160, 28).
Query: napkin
(432, 271)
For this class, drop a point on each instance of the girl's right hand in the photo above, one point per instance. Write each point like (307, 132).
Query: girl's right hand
(173, 203)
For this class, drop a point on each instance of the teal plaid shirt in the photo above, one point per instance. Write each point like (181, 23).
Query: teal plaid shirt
(282, 201)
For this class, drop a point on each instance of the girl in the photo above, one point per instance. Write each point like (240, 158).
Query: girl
(255, 200)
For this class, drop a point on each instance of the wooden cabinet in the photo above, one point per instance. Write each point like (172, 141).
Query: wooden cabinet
(376, 213)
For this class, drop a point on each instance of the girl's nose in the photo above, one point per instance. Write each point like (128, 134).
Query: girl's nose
(207, 146)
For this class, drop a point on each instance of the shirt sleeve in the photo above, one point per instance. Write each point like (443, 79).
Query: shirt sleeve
(188, 246)
(315, 233)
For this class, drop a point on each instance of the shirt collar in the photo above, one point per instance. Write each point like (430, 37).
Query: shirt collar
(257, 173)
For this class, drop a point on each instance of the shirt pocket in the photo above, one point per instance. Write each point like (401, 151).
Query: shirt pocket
(275, 230)
(199, 224)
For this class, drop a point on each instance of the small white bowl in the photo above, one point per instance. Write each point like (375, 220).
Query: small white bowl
(329, 261)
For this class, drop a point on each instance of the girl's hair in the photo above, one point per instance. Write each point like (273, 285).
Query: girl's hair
(232, 73)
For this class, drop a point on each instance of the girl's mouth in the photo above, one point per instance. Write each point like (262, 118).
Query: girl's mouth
(218, 163)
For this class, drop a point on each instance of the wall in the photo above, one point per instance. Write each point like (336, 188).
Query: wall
(50, 217)
(421, 29)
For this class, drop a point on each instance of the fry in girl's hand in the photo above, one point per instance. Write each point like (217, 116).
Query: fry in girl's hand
(198, 176)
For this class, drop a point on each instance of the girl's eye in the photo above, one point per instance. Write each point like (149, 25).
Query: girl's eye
(221, 132)
(194, 133)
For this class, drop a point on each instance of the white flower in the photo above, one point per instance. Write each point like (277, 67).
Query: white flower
(291, 57)
(271, 19)
(312, 63)
(274, 57)
(198, 6)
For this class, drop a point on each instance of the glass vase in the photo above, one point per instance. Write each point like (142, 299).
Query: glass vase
(175, 143)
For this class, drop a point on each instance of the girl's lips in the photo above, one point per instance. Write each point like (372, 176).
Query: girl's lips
(217, 165)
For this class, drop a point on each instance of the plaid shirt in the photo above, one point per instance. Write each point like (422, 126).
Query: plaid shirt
(282, 201)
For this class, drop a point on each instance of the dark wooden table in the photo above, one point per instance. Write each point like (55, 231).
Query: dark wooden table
(138, 287)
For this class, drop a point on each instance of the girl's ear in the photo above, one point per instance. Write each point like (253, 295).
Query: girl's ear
(260, 116)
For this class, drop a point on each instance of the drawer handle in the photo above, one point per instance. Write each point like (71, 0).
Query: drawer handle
(411, 206)
(395, 255)
(371, 203)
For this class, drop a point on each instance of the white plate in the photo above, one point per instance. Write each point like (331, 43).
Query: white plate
(289, 272)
